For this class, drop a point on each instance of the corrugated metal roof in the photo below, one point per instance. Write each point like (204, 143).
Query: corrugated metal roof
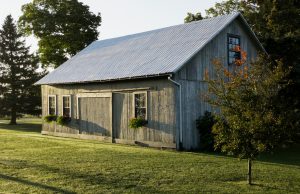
(149, 53)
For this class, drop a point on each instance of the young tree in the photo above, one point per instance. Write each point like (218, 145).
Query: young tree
(63, 27)
(250, 120)
(17, 74)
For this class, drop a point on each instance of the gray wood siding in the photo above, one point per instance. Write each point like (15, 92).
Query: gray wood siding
(94, 116)
(94, 113)
(193, 85)
(161, 122)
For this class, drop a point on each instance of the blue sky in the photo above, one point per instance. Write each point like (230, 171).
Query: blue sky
(122, 17)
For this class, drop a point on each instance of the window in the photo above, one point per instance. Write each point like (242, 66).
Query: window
(234, 52)
(66, 106)
(52, 105)
(140, 105)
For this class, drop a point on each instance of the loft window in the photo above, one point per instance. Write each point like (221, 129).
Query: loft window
(52, 105)
(140, 105)
(67, 106)
(234, 52)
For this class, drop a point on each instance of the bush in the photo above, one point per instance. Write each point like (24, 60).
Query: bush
(62, 120)
(50, 118)
(136, 123)
(204, 126)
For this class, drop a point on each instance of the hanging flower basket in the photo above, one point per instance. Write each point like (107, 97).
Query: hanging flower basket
(136, 123)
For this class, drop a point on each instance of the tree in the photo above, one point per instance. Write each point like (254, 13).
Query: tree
(250, 10)
(277, 25)
(227, 7)
(18, 73)
(63, 27)
(250, 120)
(192, 17)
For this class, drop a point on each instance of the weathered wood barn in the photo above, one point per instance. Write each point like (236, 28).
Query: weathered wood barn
(156, 75)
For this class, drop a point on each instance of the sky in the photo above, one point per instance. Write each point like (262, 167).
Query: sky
(123, 17)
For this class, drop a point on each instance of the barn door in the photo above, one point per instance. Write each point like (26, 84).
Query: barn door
(94, 114)
(121, 115)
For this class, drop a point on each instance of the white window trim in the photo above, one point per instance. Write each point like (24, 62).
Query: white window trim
(146, 100)
(54, 106)
(62, 104)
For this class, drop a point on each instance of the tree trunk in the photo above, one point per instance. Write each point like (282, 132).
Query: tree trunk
(249, 171)
(13, 117)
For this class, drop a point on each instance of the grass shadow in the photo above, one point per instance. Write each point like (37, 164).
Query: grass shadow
(286, 156)
(97, 178)
(34, 184)
(270, 187)
(22, 126)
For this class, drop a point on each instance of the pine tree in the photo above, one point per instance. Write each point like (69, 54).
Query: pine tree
(17, 74)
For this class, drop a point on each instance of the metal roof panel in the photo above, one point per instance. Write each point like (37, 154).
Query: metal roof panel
(149, 53)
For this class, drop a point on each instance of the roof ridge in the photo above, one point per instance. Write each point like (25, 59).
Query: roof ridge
(159, 29)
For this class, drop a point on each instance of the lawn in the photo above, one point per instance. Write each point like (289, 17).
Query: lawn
(32, 163)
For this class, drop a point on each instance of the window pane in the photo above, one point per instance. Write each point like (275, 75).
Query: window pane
(140, 105)
(137, 100)
(51, 111)
(66, 106)
(66, 101)
(140, 100)
(233, 44)
(237, 55)
(66, 112)
(52, 105)
(140, 113)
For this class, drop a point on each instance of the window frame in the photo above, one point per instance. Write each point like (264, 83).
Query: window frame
(55, 102)
(70, 104)
(228, 49)
(146, 103)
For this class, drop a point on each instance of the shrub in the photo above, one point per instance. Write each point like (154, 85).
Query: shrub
(62, 120)
(136, 123)
(50, 118)
(204, 126)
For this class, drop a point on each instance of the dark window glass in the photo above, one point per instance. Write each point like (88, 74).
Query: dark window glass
(140, 105)
(234, 52)
(52, 105)
(66, 106)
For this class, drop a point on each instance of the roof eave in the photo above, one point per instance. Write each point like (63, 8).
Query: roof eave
(108, 80)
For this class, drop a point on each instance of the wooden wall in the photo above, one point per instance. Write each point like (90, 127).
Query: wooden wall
(94, 115)
(193, 85)
(163, 98)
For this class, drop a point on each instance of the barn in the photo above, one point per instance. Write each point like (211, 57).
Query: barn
(155, 75)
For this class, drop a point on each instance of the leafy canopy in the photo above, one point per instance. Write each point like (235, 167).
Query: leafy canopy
(250, 120)
(277, 25)
(63, 27)
(192, 17)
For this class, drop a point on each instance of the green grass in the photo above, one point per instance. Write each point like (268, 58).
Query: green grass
(32, 163)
